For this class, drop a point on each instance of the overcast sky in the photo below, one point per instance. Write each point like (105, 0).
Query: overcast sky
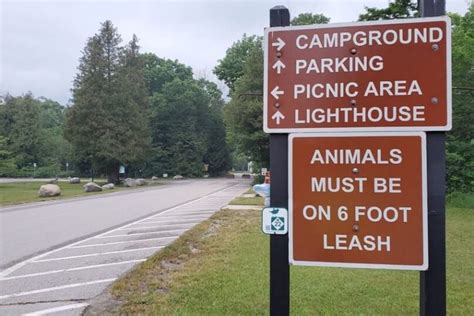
(41, 41)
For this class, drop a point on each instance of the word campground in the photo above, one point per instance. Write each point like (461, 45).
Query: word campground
(414, 35)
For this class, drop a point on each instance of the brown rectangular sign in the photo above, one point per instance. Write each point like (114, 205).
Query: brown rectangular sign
(358, 200)
(377, 76)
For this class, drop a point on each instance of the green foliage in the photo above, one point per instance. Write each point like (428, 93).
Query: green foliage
(217, 155)
(158, 71)
(187, 128)
(51, 170)
(242, 70)
(7, 165)
(398, 9)
(31, 132)
(178, 113)
(244, 115)
(23, 134)
(310, 18)
(460, 145)
(231, 67)
(107, 124)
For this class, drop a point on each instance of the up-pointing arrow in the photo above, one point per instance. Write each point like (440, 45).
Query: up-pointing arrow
(276, 92)
(279, 65)
(277, 117)
(279, 44)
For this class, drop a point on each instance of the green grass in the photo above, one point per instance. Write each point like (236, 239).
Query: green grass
(247, 201)
(461, 200)
(228, 275)
(25, 192)
(250, 191)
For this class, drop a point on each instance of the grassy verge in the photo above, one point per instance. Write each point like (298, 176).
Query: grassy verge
(250, 191)
(247, 201)
(461, 200)
(221, 267)
(25, 192)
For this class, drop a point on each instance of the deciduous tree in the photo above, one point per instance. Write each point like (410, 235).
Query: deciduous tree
(310, 18)
(230, 68)
(398, 9)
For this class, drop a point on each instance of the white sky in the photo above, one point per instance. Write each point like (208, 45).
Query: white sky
(41, 41)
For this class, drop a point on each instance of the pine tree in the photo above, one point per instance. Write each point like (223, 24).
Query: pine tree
(107, 122)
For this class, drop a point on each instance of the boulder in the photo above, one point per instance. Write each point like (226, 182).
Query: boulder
(129, 182)
(178, 177)
(92, 187)
(74, 180)
(140, 182)
(47, 190)
(108, 186)
(154, 178)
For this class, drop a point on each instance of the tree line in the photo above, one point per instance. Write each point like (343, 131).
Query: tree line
(151, 115)
(242, 70)
(129, 109)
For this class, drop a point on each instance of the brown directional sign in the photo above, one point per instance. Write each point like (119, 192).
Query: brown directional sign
(358, 200)
(377, 76)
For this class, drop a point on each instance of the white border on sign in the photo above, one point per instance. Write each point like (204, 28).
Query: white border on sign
(421, 267)
(446, 127)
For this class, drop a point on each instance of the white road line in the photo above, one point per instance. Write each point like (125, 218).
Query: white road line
(158, 226)
(56, 288)
(95, 266)
(136, 234)
(122, 242)
(95, 254)
(25, 262)
(57, 309)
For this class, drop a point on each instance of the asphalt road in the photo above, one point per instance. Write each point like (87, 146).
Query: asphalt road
(59, 255)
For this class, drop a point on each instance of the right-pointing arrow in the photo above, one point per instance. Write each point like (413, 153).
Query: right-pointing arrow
(279, 65)
(279, 44)
(277, 117)
(276, 92)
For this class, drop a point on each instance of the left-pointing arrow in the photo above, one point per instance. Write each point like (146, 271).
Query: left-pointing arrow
(276, 92)
(279, 65)
(278, 116)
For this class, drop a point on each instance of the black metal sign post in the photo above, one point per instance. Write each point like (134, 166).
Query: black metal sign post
(433, 281)
(279, 267)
